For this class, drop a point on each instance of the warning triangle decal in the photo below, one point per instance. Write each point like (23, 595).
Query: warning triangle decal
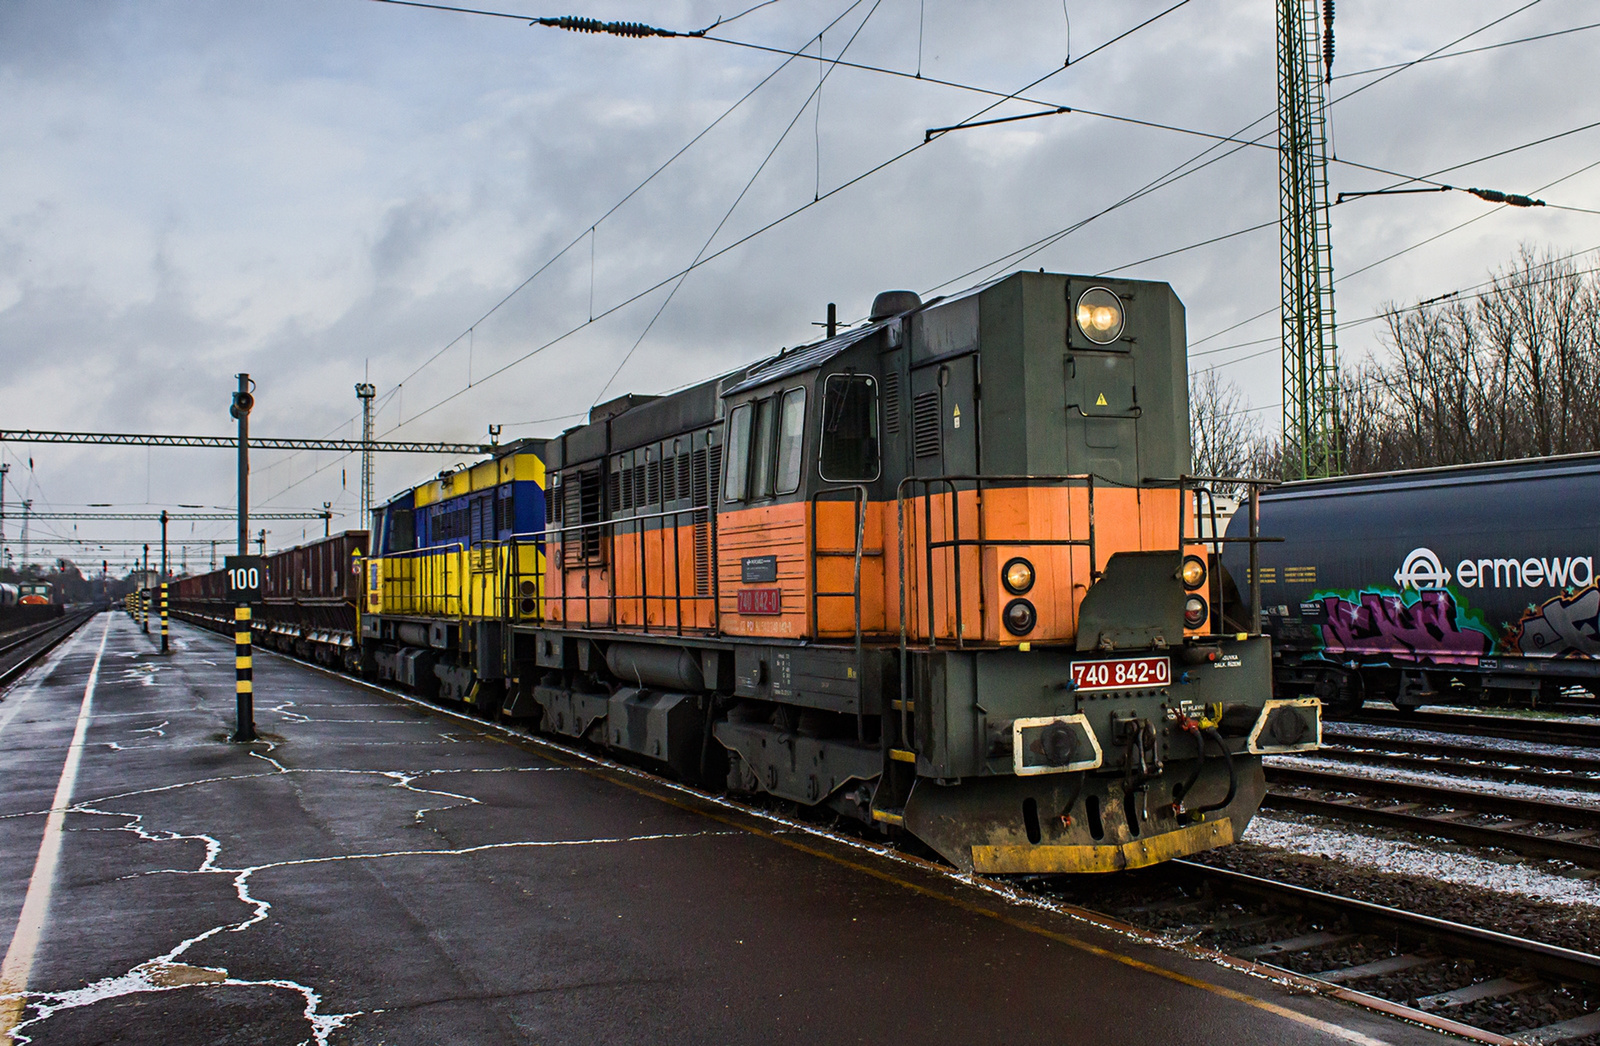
(1101, 402)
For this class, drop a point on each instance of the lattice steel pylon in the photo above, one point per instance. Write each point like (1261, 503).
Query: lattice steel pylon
(365, 393)
(1312, 442)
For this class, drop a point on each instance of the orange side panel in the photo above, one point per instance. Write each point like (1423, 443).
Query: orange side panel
(772, 530)
(1011, 521)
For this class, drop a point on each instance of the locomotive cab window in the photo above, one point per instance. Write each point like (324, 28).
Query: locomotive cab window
(734, 487)
(849, 429)
(761, 452)
(766, 444)
(791, 440)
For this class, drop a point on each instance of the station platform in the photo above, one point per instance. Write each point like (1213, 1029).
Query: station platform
(372, 872)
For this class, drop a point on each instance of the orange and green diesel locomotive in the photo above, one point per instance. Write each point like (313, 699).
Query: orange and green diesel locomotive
(945, 573)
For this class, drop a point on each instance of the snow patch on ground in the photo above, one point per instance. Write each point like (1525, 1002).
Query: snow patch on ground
(1418, 860)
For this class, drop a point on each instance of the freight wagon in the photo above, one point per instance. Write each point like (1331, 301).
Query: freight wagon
(1469, 584)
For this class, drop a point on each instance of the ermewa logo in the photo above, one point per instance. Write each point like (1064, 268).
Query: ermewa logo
(1422, 569)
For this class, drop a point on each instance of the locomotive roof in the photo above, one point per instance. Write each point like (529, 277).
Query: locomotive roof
(1442, 476)
(803, 358)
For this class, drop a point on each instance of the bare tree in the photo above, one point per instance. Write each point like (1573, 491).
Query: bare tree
(1223, 433)
(1514, 373)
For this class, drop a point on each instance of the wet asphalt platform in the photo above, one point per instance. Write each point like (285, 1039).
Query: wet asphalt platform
(375, 873)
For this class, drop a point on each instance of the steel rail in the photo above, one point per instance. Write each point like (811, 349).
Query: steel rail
(344, 446)
(1479, 802)
(52, 632)
(1583, 780)
(1550, 732)
(1547, 760)
(1489, 945)
(1582, 854)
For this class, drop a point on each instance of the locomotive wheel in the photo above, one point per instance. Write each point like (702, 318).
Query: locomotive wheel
(1340, 692)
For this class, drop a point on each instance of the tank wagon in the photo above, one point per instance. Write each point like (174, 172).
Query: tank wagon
(1471, 583)
(940, 573)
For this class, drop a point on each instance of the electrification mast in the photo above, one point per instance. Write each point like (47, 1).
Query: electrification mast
(365, 392)
(1311, 437)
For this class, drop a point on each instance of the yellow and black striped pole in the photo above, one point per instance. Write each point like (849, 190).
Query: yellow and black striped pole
(163, 617)
(144, 611)
(243, 684)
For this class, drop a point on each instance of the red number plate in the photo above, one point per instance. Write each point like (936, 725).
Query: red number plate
(1131, 673)
(761, 601)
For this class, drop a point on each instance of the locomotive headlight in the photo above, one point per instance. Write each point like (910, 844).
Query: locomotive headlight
(1194, 572)
(1195, 612)
(1100, 315)
(1018, 576)
(1019, 617)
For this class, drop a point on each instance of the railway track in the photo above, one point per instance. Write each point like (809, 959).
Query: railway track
(19, 649)
(1480, 980)
(1550, 824)
(1358, 746)
(1528, 827)
(1548, 731)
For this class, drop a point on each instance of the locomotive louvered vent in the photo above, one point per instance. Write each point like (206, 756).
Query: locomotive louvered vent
(707, 468)
(891, 403)
(669, 480)
(925, 423)
(639, 499)
(615, 500)
(572, 512)
(583, 506)
(685, 484)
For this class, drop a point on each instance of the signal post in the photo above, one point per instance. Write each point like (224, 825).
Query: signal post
(245, 576)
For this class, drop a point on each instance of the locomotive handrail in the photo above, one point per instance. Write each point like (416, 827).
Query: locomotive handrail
(1200, 486)
(643, 597)
(859, 499)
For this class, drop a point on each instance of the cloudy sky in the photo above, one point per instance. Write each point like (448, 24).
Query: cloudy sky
(322, 191)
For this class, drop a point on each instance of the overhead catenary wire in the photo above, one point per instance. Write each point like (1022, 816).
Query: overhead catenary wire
(1398, 68)
(593, 226)
(1183, 170)
(774, 223)
(1344, 276)
(813, 98)
(1017, 94)
(703, 34)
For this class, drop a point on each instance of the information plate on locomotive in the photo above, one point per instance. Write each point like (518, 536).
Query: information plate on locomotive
(1128, 673)
(761, 601)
